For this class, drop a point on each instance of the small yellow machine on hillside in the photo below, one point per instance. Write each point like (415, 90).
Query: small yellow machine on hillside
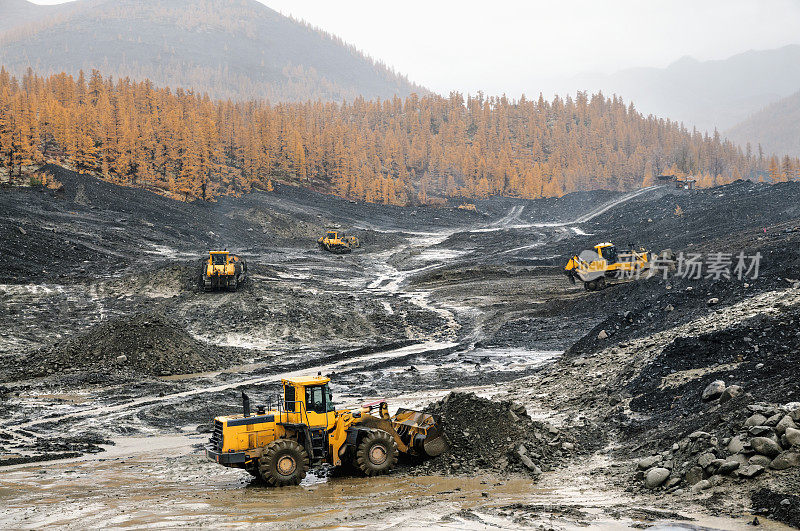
(593, 267)
(305, 430)
(338, 243)
(222, 270)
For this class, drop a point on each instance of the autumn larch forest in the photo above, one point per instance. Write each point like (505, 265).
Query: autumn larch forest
(417, 150)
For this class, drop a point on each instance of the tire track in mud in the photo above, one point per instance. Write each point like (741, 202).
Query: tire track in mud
(602, 209)
(390, 279)
(608, 206)
(136, 405)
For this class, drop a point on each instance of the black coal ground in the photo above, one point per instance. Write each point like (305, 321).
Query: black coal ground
(103, 253)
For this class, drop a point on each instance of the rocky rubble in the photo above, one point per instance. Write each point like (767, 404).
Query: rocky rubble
(486, 435)
(145, 343)
(766, 442)
(46, 448)
(779, 506)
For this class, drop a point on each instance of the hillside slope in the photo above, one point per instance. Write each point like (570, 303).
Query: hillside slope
(238, 49)
(776, 127)
(706, 94)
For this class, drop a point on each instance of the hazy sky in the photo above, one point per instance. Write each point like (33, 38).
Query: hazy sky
(528, 46)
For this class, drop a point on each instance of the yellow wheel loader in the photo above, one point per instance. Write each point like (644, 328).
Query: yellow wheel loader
(222, 270)
(594, 267)
(337, 243)
(304, 430)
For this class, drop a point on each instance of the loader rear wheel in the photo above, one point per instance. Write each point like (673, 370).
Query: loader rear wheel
(377, 453)
(595, 285)
(284, 463)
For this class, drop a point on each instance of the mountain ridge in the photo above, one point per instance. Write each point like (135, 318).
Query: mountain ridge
(717, 93)
(776, 127)
(230, 49)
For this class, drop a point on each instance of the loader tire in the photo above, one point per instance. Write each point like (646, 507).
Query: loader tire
(284, 463)
(376, 454)
(595, 285)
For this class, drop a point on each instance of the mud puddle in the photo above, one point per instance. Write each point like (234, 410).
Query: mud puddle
(166, 482)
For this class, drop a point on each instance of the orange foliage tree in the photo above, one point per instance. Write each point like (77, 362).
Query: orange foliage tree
(388, 151)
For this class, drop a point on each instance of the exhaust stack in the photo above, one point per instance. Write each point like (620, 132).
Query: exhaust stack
(245, 405)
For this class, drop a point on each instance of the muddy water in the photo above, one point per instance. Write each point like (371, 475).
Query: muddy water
(165, 482)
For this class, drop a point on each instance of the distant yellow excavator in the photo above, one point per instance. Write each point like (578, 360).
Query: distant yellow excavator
(280, 444)
(222, 270)
(337, 243)
(593, 267)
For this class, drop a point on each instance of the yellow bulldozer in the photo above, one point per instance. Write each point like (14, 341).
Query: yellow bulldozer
(304, 430)
(222, 270)
(336, 242)
(594, 267)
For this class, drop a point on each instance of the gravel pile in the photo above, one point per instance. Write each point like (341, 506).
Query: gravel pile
(489, 436)
(768, 441)
(146, 343)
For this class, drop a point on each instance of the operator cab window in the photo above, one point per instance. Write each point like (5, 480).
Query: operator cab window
(610, 254)
(329, 399)
(218, 259)
(331, 235)
(288, 398)
(318, 399)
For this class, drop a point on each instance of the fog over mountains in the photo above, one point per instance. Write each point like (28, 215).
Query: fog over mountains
(236, 49)
(706, 94)
(776, 127)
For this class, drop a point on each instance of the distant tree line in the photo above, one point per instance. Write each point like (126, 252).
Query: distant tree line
(417, 150)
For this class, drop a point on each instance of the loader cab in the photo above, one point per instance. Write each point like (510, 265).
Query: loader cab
(607, 251)
(309, 400)
(331, 235)
(219, 258)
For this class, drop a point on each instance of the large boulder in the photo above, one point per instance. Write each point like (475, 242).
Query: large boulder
(648, 462)
(756, 419)
(786, 460)
(693, 475)
(703, 484)
(785, 422)
(739, 458)
(751, 471)
(792, 436)
(735, 445)
(760, 460)
(706, 459)
(728, 466)
(713, 390)
(655, 477)
(732, 391)
(761, 431)
(765, 446)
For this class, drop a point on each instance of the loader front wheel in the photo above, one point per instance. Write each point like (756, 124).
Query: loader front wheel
(284, 463)
(377, 453)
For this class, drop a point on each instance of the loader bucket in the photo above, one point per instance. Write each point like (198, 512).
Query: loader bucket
(425, 436)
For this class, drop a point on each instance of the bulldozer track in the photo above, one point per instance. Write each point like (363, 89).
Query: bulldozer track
(141, 403)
